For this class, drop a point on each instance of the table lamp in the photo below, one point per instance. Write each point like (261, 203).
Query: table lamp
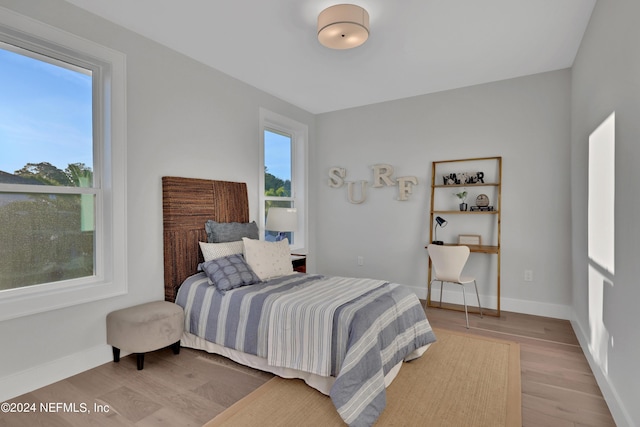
(282, 220)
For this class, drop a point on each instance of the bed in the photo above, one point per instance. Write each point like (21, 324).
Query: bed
(359, 330)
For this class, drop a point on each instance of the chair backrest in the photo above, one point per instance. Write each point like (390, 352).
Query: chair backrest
(448, 261)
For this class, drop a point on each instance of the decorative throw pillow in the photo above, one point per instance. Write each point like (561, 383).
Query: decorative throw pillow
(218, 232)
(218, 250)
(268, 259)
(229, 272)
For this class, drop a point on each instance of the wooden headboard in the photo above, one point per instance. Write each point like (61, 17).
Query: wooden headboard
(187, 203)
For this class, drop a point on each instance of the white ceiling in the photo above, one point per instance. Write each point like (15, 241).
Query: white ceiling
(415, 47)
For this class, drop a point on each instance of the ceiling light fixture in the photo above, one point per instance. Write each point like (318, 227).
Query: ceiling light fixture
(343, 26)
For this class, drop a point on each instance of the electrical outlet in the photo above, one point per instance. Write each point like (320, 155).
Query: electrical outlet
(528, 275)
(360, 261)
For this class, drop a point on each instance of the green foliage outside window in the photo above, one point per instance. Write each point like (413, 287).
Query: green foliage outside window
(274, 186)
(46, 237)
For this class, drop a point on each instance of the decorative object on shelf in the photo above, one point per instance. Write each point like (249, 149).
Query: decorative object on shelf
(479, 178)
(463, 178)
(482, 201)
(470, 239)
(482, 209)
(442, 223)
(462, 195)
(282, 220)
(343, 26)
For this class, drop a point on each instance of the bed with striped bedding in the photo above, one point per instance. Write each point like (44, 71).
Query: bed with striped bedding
(355, 330)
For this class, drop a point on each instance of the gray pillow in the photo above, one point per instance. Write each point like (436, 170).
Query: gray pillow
(220, 232)
(229, 272)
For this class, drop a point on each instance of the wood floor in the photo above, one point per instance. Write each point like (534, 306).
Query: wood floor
(558, 388)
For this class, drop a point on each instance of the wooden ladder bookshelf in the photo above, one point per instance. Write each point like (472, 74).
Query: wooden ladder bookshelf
(481, 173)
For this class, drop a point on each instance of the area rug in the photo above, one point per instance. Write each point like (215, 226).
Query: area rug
(461, 380)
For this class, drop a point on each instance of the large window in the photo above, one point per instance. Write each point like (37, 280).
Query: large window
(61, 188)
(283, 181)
(47, 213)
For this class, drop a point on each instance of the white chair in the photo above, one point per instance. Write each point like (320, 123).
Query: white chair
(448, 262)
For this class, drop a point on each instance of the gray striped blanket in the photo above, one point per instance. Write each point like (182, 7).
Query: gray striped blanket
(353, 329)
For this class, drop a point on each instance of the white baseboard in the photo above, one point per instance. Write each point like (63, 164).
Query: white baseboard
(39, 376)
(618, 411)
(557, 311)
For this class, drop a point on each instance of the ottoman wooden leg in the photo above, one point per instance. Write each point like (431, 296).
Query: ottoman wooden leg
(116, 354)
(140, 360)
(176, 347)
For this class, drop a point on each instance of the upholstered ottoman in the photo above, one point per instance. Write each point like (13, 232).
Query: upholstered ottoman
(145, 327)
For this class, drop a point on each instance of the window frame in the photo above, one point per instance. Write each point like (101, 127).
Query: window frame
(109, 169)
(299, 133)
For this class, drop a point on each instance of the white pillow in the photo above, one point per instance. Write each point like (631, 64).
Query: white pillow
(268, 259)
(219, 250)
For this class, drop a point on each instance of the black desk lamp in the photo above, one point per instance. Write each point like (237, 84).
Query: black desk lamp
(442, 223)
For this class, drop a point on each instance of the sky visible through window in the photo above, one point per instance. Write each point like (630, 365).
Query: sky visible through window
(45, 116)
(45, 113)
(277, 154)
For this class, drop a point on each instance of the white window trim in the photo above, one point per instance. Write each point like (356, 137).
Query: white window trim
(299, 137)
(110, 160)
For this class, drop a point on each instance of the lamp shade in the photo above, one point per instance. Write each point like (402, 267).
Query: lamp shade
(282, 219)
(441, 221)
(343, 26)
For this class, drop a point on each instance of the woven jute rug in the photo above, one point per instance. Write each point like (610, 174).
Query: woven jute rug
(461, 380)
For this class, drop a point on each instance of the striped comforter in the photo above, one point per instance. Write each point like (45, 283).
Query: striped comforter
(353, 329)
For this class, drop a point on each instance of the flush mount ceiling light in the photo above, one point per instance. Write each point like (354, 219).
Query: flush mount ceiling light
(343, 26)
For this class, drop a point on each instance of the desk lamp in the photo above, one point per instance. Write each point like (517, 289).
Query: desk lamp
(442, 223)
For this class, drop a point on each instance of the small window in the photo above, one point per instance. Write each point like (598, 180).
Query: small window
(283, 180)
(277, 177)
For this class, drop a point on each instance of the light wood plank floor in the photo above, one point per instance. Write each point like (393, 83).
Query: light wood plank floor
(558, 388)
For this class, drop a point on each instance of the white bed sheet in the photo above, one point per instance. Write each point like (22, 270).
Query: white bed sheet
(320, 383)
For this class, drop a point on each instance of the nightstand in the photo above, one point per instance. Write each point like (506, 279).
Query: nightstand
(299, 262)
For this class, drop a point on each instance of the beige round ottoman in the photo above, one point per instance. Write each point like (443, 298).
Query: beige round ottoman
(145, 327)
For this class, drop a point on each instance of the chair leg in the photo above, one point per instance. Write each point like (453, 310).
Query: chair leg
(441, 294)
(140, 361)
(478, 296)
(466, 313)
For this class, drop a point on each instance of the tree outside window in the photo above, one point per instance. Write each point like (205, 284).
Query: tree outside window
(277, 176)
(47, 198)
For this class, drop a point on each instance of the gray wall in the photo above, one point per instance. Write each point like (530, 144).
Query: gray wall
(524, 120)
(184, 119)
(606, 79)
